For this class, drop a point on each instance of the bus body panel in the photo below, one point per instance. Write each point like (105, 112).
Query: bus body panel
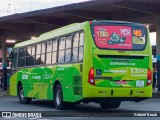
(38, 82)
(120, 71)
(13, 85)
(121, 84)
(77, 81)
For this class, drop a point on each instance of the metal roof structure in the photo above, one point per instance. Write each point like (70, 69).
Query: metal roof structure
(22, 26)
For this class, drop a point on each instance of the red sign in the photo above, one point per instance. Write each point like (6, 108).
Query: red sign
(113, 37)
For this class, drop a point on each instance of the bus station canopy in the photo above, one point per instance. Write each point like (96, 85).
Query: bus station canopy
(22, 26)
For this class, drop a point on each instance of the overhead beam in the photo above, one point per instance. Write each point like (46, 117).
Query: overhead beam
(139, 7)
(126, 14)
(21, 36)
(150, 20)
(89, 15)
(40, 22)
(58, 21)
(16, 26)
(11, 28)
(83, 15)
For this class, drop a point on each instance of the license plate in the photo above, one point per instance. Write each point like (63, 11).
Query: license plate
(121, 82)
(139, 83)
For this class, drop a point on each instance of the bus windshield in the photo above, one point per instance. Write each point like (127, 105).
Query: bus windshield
(120, 37)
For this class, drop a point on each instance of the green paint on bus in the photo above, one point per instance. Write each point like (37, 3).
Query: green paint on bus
(98, 61)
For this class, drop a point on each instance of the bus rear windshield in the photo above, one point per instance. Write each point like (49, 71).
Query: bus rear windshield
(120, 37)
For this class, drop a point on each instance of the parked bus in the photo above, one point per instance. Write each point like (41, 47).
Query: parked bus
(106, 62)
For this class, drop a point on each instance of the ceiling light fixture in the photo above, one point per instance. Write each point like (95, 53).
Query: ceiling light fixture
(10, 41)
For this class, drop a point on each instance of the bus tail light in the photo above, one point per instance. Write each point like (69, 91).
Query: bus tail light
(149, 78)
(91, 77)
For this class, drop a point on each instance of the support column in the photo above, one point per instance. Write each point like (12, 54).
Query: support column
(4, 65)
(158, 51)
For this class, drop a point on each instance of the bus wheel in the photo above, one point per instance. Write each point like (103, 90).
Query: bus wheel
(58, 97)
(113, 104)
(22, 99)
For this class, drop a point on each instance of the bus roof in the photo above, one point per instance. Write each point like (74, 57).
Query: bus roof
(51, 34)
(95, 22)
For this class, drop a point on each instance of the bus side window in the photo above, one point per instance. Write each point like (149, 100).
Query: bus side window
(33, 53)
(81, 39)
(80, 57)
(81, 44)
(48, 52)
(54, 51)
(29, 58)
(75, 40)
(38, 53)
(21, 57)
(75, 47)
(78, 43)
(68, 49)
(75, 55)
(61, 50)
(43, 52)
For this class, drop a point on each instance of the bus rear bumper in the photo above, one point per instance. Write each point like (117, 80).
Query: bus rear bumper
(100, 92)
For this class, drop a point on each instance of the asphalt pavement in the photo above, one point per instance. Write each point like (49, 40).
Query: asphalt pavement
(82, 111)
(11, 103)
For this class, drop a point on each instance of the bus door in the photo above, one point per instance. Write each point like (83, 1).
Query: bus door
(13, 82)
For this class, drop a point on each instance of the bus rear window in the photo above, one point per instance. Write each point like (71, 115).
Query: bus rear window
(120, 37)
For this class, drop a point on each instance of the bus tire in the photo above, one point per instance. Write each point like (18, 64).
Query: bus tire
(58, 97)
(22, 99)
(113, 104)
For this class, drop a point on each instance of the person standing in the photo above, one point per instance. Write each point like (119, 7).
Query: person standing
(154, 76)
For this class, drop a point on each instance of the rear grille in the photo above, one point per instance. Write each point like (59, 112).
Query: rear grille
(103, 77)
(77, 82)
(121, 57)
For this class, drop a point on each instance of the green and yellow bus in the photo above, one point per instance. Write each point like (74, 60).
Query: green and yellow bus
(106, 62)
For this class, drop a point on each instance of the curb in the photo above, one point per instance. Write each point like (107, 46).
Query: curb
(156, 95)
(4, 92)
